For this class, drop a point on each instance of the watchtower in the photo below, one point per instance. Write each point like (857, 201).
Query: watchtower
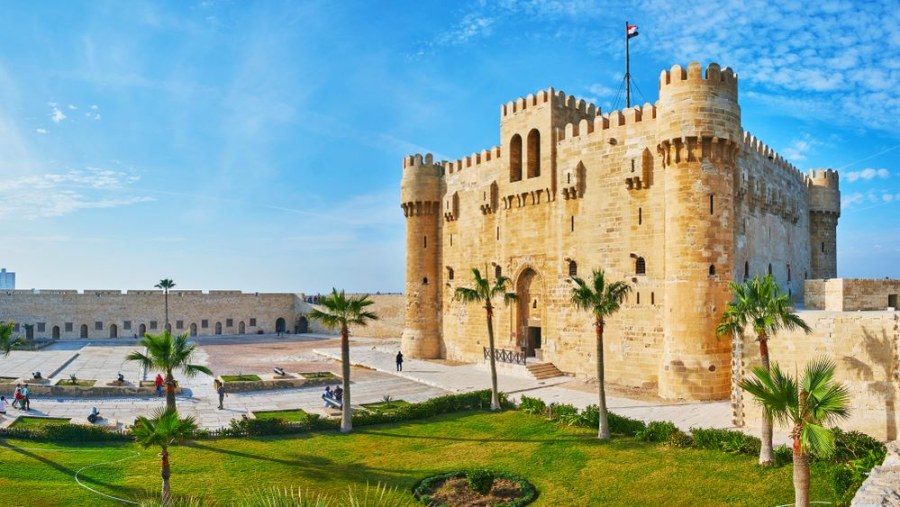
(824, 211)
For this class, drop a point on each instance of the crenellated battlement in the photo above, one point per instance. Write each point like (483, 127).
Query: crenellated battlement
(827, 178)
(473, 160)
(695, 73)
(610, 121)
(418, 160)
(557, 99)
(754, 145)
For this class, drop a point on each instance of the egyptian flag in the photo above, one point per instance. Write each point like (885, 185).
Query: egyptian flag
(632, 31)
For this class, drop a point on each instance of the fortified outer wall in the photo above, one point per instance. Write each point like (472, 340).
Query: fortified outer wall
(847, 294)
(390, 308)
(864, 345)
(112, 313)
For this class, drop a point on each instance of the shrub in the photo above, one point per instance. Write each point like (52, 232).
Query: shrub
(66, 432)
(625, 425)
(730, 441)
(422, 488)
(481, 481)
(848, 477)
(679, 439)
(532, 405)
(657, 431)
(562, 412)
(853, 445)
(783, 455)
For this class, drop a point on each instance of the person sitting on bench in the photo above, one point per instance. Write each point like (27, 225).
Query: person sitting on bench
(94, 415)
(339, 393)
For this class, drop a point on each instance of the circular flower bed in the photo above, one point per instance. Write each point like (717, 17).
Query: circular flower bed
(475, 488)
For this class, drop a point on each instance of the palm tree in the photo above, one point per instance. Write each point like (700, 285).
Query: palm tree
(484, 292)
(165, 284)
(342, 312)
(7, 342)
(602, 299)
(167, 353)
(760, 304)
(163, 430)
(807, 408)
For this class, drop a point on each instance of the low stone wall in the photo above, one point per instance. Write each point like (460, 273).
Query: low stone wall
(102, 389)
(272, 383)
(851, 294)
(883, 485)
(391, 311)
(866, 349)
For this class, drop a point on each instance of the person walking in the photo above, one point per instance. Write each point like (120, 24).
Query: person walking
(26, 398)
(399, 361)
(159, 385)
(17, 396)
(220, 390)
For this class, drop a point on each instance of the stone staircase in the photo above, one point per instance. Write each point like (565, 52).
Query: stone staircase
(541, 371)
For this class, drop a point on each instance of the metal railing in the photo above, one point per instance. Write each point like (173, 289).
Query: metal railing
(505, 356)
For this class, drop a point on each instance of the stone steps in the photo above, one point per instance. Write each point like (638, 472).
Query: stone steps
(541, 371)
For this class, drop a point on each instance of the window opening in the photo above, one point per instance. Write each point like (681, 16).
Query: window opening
(712, 269)
(498, 271)
(515, 158)
(640, 216)
(640, 266)
(573, 268)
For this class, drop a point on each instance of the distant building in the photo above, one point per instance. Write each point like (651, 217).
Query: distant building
(7, 279)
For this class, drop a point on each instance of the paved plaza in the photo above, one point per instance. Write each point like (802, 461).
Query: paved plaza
(373, 377)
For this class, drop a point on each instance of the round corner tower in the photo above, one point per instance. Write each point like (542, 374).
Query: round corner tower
(824, 211)
(699, 134)
(420, 199)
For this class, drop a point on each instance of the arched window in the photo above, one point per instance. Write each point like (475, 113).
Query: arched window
(449, 273)
(498, 271)
(712, 269)
(573, 268)
(746, 270)
(640, 266)
(425, 281)
(534, 153)
(515, 158)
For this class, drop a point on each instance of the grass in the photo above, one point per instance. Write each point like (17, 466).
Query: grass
(7, 380)
(568, 466)
(32, 422)
(385, 406)
(240, 378)
(78, 382)
(319, 375)
(287, 415)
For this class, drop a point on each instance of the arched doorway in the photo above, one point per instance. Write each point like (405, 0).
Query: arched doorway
(218, 328)
(302, 324)
(113, 331)
(241, 327)
(279, 325)
(55, 332)
(29, 331)
(84, 331)
(527, 317)
(142, 330)
(193, 329)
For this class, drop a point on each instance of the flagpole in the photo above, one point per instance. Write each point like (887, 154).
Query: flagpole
(627, 69)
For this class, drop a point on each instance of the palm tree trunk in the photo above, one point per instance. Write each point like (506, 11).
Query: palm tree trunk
(603, 430)
(166, 473)
(766, 455)
(801, 476)
(346, 422)
(495, 398)
(170, 391)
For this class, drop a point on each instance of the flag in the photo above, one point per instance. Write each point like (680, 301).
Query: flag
(632, 31)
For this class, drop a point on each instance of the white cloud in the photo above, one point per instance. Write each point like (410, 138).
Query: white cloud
(849, 200)
(56, 115)
(797, 150)
(94, 107)
(57, 194)
(867, 174)
(72, 107)
(41, 131)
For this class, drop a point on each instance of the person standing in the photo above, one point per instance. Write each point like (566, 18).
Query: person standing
(159, 385)
(220, 390)
(26, 398)
(399, 361)
(17, 396)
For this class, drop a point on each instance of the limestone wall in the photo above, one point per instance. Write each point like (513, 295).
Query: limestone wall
(864, 346)
(390, 308)
(111, 313)
(847, 294)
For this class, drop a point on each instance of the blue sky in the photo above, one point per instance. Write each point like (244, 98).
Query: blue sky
(258, 145)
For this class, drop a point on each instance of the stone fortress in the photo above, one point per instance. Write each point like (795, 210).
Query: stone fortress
(674, 198)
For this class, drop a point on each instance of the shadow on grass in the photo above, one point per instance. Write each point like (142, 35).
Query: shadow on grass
(484, 440)
(315, 467)
(113, 488)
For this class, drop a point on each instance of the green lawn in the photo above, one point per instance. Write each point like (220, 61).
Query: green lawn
(287, 415)
(31, 422)
(568, 466)
(318, 375)
(240, 378)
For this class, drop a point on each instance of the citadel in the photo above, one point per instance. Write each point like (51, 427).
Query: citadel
(673, 197)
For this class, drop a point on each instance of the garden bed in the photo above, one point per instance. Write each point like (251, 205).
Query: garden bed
(240, 378)
(27, 421)
(319, 375)
(286, 415)
(270, 381)
(76, 383)
(460, 489)
(7, 380)
(384, 407)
